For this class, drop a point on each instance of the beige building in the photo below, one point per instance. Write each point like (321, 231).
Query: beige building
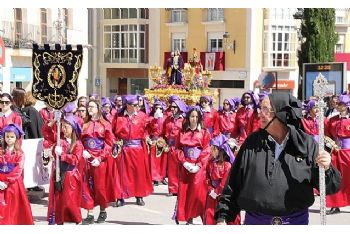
(20, 27)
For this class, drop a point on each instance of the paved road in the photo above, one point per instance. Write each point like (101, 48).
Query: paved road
(159, 210)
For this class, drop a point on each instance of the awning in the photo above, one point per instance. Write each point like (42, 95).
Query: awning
(18, 74)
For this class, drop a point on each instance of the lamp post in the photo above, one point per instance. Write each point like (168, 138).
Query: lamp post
(299, 15)
(228, 44)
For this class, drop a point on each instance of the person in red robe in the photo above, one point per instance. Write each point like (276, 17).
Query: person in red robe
(218, 169)
(46, 113)
(310, 121)
(172, 128)
(227, 117)
(65, 196)
(210, 116)
(97, 139)
(134, 180)
(245, 117)
(171, 99)
(14, 204)
(194, 156)
(338, 128)
(8, 116)
(158, 160)
(107, 109)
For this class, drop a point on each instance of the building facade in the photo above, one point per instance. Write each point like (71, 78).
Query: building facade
(21, 27)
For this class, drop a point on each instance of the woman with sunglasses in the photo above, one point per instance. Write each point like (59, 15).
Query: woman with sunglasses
(171, 130)
(97, 139)
(8, 115)
(194, 141)
(210, 116)
(158, 160)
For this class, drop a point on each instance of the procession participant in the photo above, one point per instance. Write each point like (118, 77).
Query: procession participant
(171, 130)
(97, 139)
(243, 126)
(158, 148)
(273, 175)
(107, 109)
(338, 128)
(143, 104)
(310, 121)
(193, 157)
(65, 196)
(82, 101)
(210, 116)
(82, 115)
(134, 180)
(218, 169)
(14, 204)
(94, 96)
(171, 99)
(118, 103)
(8, 116)
(332, 107)
(46, 113)
(227, 117)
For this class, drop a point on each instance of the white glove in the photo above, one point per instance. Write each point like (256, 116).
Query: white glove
(194, 169)
(3, 186)
(86, 154)
(158, 114)
(58, 150)
(188, 166)
(213, 194)
(95, 162)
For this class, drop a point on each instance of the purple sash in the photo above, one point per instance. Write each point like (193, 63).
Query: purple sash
(93, 143)
(215, 183)
(227, 134)
(171, 142)
(344, 143)
(297, 218)
(6, 168)
(211, 130)
(192, 152)
(132, 143)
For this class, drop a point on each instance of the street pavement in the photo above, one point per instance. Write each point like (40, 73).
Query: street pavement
(159, 210)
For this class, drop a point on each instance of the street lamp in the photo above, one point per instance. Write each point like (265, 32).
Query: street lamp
(228, 44)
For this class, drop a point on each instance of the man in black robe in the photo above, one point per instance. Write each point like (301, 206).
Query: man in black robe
(276, 169)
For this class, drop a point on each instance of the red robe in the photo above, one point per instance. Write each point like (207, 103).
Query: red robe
(46, 115)
(193, 188)
(13, 118)
(227, 122)
(243, 125)
(340, 128)
(158, 163)
(14, 204)
(64, 205)
(211, 122)
(310, 126)
(134, 178)
(97, 178)
(216, 179)
(171, 132)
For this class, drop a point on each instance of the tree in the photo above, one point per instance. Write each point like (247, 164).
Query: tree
(318, 37)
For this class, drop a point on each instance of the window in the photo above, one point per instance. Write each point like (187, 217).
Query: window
(215, 14)
(215, 42)
(18, 24)
(178, 16)
(125, 13)
(144, 13)
(43, 24)
(125, 43)
(339, 47)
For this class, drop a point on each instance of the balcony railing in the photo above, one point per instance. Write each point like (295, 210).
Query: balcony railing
(26, 35)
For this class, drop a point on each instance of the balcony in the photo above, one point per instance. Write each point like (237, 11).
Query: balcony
(26, 35)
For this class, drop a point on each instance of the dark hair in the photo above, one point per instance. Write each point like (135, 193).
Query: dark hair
(97, 102)
(74, 138)
(186, 122)
(82, 97)
(18, 95)
(9, 97)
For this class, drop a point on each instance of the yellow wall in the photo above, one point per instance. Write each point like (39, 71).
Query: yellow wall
(235, 24)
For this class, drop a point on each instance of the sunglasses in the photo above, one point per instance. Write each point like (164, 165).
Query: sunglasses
(5, 102)
(157, 107)
(225, 103)
(81, 110)
(173, 107)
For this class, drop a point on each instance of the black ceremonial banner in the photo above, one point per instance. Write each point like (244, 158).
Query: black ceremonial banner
(55, 74)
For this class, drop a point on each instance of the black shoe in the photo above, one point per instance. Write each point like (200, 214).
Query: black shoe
(120, 202)
(139, 201)
(333, 210)
(189, 222)
(102, 217)
(88, 220)
(156, 183)
(164, 182)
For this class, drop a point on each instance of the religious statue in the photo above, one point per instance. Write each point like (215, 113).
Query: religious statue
(174, 68)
